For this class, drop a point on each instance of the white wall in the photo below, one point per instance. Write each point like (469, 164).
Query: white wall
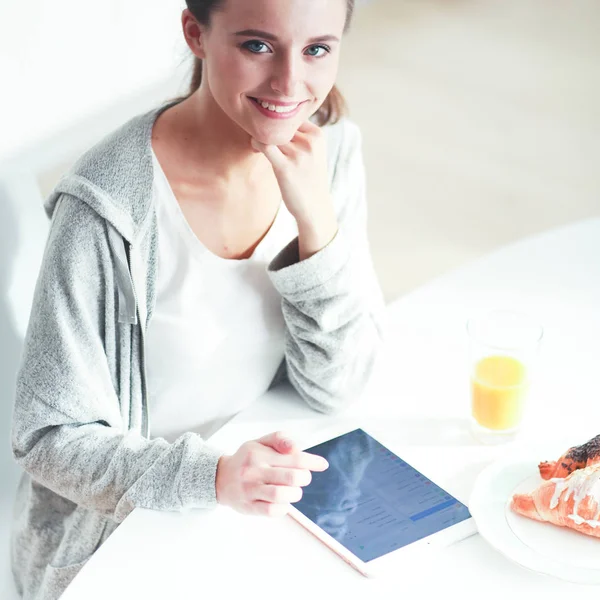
(63, 60)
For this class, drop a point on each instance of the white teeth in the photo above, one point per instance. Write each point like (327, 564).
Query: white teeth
(277, 109)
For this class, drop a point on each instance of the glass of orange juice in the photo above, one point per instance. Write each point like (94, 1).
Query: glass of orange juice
(504, 346)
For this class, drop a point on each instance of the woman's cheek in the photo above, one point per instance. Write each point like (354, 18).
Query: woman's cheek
(324, 81)
(237, 73)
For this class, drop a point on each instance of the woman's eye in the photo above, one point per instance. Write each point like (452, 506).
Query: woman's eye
(317, 51)
(256, 46)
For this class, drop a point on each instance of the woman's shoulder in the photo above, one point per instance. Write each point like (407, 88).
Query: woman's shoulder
(344, 153)
(342, 136)
(114, 176)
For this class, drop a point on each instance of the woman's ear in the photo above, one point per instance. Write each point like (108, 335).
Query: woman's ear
(193, 33)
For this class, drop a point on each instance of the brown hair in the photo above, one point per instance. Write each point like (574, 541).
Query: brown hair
(332, 109)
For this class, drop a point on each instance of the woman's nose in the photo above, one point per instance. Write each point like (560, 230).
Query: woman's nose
(286, 77)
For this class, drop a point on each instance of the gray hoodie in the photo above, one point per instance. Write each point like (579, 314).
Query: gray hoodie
(81, 429)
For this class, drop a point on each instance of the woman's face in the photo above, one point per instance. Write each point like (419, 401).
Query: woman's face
(270, 64)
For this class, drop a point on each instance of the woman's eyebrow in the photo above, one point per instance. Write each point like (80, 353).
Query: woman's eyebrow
(273, 38)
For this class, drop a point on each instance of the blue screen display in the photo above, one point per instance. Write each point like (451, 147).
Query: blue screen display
(371, 501)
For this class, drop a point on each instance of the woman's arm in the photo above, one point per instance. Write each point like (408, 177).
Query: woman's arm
(67, 429)
(332, 302)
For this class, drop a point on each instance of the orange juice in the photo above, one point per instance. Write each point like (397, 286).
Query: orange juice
(499, 387)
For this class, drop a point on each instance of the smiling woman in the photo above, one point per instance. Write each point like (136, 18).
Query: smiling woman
(333, 106)
(198, 255)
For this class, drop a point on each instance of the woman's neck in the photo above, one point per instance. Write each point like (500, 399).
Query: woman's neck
(210, 139)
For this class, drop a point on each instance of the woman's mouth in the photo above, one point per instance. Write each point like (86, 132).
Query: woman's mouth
(276, 110)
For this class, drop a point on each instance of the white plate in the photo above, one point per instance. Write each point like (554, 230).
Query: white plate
(541, 547)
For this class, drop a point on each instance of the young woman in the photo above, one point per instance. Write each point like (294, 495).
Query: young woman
(196, 255)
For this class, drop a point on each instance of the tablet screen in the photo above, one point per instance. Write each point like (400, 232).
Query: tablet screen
(371, 501)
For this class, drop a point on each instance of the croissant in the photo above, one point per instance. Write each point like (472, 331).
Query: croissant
(574, 458)
(571, 495)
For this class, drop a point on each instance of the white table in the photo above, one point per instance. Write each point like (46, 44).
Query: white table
(418, 403)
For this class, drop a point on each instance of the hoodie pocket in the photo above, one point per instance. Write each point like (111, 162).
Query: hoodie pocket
(84, 532)
(57, 579)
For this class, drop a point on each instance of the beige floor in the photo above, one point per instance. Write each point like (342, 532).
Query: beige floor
(481, 124)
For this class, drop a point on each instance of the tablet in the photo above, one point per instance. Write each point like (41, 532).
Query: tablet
(372, 508)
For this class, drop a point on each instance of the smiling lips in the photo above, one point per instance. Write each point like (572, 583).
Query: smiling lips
(279, 110)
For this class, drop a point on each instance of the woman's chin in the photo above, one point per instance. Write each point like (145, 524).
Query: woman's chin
(275, 139)
(277, 135)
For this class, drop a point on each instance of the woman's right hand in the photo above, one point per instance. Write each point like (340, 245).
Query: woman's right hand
(265, 476)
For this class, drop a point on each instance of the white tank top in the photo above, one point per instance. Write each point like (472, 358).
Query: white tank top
(216, 337)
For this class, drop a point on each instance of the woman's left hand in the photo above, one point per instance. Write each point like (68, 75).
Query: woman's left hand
(300, 167)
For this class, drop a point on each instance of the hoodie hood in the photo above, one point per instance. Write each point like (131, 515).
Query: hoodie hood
(115, 176)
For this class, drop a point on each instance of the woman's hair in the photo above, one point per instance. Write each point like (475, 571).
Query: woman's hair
(330, 111)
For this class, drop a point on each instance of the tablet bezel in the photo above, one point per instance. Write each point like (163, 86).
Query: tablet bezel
(388, 562)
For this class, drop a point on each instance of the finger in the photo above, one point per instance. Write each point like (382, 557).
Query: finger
(309, 127)
(289, 477)
(278, 494)
(279, 442)
(299, 141)
(268, 509)
(257, 145)
(300, 460)
(301, 137)
(274, 155)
